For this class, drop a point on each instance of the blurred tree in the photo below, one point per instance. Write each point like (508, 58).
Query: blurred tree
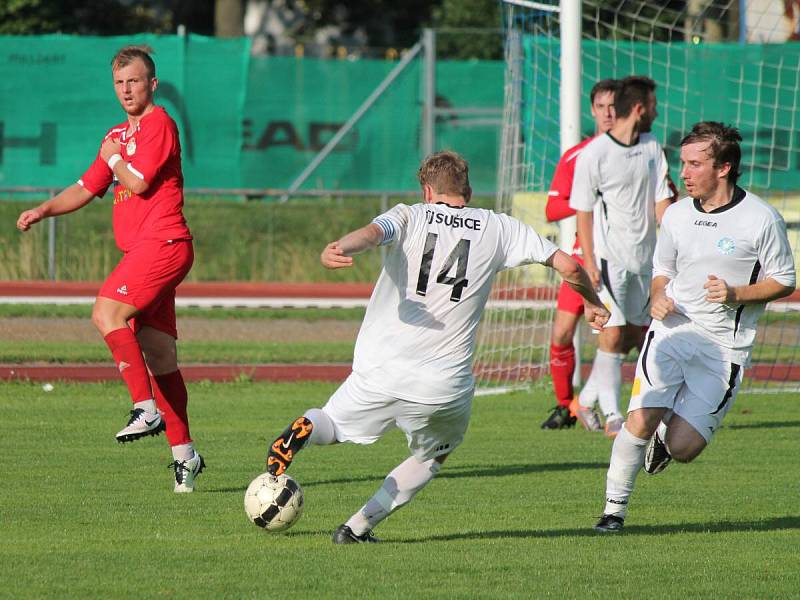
(469, 16)
(105, 17)
(384, 23)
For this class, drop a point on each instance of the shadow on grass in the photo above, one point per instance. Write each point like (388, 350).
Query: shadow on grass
(475, 471)
(766, 425)
(454, 473)
(773, 524)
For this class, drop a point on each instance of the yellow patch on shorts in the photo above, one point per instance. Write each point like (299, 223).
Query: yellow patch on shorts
(637, 387)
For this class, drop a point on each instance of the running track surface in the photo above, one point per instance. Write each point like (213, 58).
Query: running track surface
(221, 293)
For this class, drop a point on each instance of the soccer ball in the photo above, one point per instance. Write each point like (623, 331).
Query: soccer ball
(273, 503)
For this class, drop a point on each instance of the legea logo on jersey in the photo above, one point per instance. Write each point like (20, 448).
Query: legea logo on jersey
(726, 246)
(130, 148)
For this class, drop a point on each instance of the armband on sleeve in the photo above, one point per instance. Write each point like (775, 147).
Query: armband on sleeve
(388, 228)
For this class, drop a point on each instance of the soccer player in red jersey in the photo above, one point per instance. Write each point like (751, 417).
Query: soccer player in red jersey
(569, 305)
(135, 308)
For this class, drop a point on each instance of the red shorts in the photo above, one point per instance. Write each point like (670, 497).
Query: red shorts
(146, 278)
(568, 299)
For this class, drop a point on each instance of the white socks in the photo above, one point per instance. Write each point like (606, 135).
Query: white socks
(627, 457)
(324, 433)
(588, 396)
(609, 379)
(399, 487)
(148, 406)
(603, 384)
(183, 451)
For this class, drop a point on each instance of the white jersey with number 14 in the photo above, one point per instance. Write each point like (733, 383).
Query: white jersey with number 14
(418, 336)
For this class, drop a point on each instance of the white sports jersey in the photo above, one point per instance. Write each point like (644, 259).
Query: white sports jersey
(742, 242)
(418, 335)
(626, 182)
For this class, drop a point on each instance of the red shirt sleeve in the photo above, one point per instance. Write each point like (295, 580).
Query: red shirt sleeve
(155, 142)
(97, 177)
(557, 207)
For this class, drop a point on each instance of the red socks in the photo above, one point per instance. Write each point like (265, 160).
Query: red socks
(171, 399)
(129, 360)
(169, 391)
(562, 367)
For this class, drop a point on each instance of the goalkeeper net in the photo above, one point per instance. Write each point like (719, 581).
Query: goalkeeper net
(722, 60)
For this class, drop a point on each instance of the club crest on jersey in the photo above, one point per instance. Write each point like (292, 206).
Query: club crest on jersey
(726, 246)
(130, 147)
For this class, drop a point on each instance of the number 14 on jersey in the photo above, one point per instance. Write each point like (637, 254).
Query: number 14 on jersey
(459, 255)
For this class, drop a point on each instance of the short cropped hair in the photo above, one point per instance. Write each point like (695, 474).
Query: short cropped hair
(723, 145)
(447, 173)
(632, 90)
(128, 54)
(602, 86)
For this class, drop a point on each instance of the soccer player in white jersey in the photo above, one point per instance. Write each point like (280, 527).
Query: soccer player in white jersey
(412, 367)
(621, 189)
(569, 304)
(722, 254)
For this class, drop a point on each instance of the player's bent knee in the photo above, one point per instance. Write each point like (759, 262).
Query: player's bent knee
(563, 337)
(642, 423)
(109, 315)
(324, 431)
(611, 339)
(684, 453)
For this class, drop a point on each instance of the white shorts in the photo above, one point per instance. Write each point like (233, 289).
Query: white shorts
(362, 415)
(626, 295)
(675, 372)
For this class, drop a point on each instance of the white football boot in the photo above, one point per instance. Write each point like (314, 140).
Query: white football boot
(141, 424)
(186, 471)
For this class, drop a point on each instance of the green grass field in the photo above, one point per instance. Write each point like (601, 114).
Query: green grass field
(509, 516)
(16, 352)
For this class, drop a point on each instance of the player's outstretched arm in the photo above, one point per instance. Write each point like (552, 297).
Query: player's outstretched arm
(337, 255)
(577, 278)
(661, 305)
(67, 201)
(719, 292)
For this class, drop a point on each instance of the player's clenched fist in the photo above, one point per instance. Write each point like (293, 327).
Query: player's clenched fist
(596, 316)
(717, 290)
(28, 218)
(110, 147)
(333, 257)
(661, 306)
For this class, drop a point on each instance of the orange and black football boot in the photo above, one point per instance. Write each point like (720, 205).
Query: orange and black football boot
(287, 444)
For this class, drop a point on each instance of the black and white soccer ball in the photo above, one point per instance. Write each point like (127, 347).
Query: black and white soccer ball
(274, 503)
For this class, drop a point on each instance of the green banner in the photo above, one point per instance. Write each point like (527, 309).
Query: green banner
(256, 122)
(245, 122)
(57, 101)
(295, 106)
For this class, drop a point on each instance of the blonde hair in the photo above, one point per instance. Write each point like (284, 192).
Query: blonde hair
(447, 173)
(128, 54)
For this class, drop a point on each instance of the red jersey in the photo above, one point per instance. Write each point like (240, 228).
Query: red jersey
(153, 152)
(557, 207)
